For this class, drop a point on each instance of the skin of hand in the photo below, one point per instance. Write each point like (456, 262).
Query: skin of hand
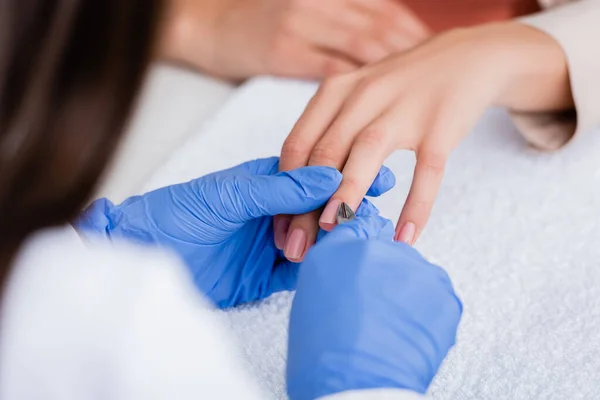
(425, 100)
(236, 39)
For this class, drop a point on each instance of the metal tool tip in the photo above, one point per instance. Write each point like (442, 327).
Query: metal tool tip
(344, 214)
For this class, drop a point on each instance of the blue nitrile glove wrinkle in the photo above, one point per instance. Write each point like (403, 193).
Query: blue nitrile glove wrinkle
(369, 313)
(221, 224)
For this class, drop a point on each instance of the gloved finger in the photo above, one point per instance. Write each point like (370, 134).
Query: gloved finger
(292, 192)
(364, 228)
(367, 209)
(284, 277)
(384, 182)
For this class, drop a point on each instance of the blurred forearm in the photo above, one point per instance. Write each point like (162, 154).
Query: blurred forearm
(533, 65)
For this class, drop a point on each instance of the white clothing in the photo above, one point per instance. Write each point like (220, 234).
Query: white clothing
(116, 322)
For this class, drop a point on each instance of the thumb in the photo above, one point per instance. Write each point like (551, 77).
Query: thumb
(293, 192)
(369, 227)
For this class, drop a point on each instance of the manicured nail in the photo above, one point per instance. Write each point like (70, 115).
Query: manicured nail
(327, 220)
(296, 243)
(406, 233)
(280, 230)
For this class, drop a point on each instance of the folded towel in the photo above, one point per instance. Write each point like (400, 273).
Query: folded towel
(517, 230)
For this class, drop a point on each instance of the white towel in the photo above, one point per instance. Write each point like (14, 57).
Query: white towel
(517, 230)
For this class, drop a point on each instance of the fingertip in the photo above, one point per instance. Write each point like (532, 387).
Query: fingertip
(328, 218)
(326, 226)
(406, 233)
(295, 245)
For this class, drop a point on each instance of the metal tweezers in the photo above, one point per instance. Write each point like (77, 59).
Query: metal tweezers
(344, 214)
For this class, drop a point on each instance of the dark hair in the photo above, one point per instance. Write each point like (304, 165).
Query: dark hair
(69, 74)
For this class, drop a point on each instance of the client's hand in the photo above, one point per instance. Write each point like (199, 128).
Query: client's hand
(369, 313)
(221, 224)
(237, 39)
(425, 100)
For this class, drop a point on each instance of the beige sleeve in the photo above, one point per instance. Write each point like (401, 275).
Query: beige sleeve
(576, 27)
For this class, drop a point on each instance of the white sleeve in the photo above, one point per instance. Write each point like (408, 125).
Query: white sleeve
(109, 322)
(376, 394)
(174, 347)
(576, 28)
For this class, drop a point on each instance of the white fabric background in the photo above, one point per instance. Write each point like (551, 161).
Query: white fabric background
(517, 230)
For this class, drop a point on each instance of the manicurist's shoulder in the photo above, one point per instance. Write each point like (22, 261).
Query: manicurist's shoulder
(69, 311)
(55, 267)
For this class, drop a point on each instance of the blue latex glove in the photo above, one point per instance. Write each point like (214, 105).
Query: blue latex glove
(368, 313)
(221, 224)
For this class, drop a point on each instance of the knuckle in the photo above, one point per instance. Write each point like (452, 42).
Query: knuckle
(358, 47)
(280, 43)
(432, 162)
(352, 185)
(332, 67)
(420, 208)
(381, 35)
(323, 154)
(371, 88)
(334, 83)
(372, 136)
(294, 148)
(406, 142)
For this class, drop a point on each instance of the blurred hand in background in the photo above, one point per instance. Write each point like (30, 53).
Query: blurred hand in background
(236, 39)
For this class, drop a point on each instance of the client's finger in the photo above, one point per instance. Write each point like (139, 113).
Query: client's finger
(371, 147)
(428, 175)
(296, 150)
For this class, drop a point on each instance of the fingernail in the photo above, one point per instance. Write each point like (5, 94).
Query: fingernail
(406, 233)
(327, 220)
(296, 243)
(280, 228)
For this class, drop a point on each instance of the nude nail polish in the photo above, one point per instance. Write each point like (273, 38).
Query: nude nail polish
(406, 233)
(296, 243)
(328, 217)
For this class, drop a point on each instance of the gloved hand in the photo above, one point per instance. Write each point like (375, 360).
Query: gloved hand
(221, 224)
(369, 313)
